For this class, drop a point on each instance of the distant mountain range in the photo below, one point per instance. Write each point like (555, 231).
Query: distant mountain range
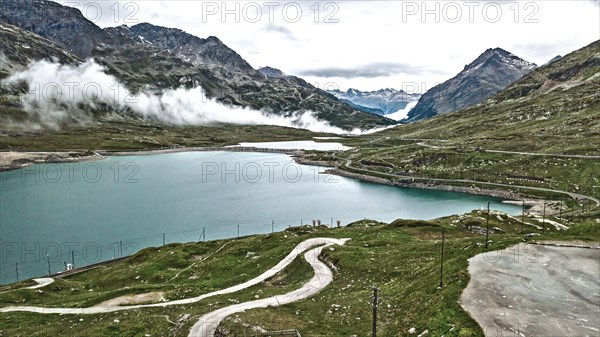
(491, 72)
(379, 102)
(153, 58)
(150, 58)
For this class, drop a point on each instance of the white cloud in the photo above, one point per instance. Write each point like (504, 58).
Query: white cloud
(64, 94)
(402, 113)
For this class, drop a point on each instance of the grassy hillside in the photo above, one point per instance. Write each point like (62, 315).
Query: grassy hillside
(401, 258)
(141, 135)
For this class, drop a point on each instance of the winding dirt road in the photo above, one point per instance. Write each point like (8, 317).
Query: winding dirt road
(207, 325)
(299, 249)
(42, 282)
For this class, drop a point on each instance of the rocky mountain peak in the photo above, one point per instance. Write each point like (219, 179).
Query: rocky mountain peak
(271, 72)
(213, 39)
(501, 56)
(193, 49)
(492, 71)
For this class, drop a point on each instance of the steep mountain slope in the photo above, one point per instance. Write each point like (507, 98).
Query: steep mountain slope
(192, 49)
(491, 72)
(387, 100)
(555, 108)
(157, 58)
(26, 46)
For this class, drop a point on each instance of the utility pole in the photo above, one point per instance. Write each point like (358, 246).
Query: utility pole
(121, 248)
(238, 230)
(375, 301)
(442, 259)
(544, 216)
(163, 239)
(203, 235)
(523, 216)
(48, 259)
(487, 225)
(73, 258)
(560, 207)
(17, 270)
(272, 226)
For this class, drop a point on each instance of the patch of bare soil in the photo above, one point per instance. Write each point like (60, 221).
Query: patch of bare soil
(152, 297)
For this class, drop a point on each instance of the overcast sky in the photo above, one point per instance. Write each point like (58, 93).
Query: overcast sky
(369, 45)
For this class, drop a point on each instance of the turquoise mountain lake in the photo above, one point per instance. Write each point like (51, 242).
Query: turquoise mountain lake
(112, 207)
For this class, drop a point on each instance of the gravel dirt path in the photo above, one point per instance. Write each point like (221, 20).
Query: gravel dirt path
(207, 325)
(299, 249)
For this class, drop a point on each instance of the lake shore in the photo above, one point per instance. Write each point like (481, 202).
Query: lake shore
(12, 160)
(532, 205)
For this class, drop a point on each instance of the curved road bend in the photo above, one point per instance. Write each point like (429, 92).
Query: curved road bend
(299, 249)
(41, 282)
(207, 325)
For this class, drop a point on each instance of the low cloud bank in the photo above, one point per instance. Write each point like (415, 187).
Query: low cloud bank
(402, 113)
(64, 94)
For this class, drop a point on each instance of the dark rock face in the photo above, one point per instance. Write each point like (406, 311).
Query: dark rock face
(65, 26)
(554, 59)
(491, 72)
(25, 46)
(190, 48)
(158, 58)
(271, 72)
